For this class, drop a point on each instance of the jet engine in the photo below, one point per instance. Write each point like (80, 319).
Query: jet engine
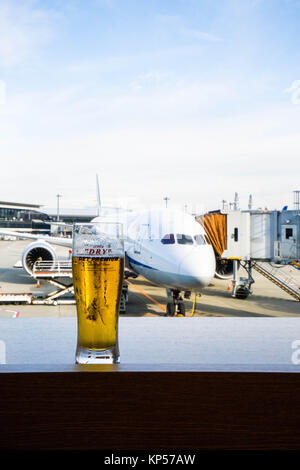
(224, 268)
(37, 251)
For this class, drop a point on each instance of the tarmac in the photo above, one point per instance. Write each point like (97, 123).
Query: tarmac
(147, 300)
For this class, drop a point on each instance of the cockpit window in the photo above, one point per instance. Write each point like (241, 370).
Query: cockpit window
(200, 240)
(183, 239)
(168, 239)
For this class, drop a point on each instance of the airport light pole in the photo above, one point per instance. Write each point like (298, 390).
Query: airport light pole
(166, 199)
(250, 203)
(58, 196)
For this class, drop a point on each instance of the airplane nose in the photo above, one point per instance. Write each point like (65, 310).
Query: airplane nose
(199, 266)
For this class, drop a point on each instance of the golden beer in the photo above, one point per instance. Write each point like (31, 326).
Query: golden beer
(97, 287)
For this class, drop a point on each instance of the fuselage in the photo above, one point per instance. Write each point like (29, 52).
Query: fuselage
(167, 247)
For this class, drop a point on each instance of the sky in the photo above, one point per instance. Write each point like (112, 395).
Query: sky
(193, 100)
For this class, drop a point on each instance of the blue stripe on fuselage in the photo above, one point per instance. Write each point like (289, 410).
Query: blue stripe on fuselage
(138, 263)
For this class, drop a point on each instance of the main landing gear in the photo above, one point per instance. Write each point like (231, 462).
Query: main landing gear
(176, 305)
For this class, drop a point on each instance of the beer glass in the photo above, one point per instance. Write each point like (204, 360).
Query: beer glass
(98, 269)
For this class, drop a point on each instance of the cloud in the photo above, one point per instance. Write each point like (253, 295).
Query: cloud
(163, 139)
(200, 35)
(155, 79)
(154, 99)
(24, 29)
(177, 24)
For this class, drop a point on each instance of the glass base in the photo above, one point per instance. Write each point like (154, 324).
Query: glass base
(94, 356)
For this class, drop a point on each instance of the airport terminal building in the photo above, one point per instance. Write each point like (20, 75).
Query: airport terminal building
(23, 217)
(34, 218)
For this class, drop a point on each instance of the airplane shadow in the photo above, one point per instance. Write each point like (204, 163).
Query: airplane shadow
(138, 305)
(15, 276)
(212, 310)
(274, 304)
(281, 304)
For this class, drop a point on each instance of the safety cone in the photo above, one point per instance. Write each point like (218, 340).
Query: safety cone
(38, 284)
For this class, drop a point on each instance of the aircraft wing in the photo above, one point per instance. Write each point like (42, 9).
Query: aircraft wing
(61, 224)
(52, 240)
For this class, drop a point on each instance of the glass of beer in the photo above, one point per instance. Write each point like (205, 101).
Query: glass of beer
(98, 270)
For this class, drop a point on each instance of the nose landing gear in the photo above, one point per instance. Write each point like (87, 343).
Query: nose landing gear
(176, 306)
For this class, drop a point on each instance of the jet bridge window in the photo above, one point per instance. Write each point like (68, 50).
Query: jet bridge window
(168, 239)
(183, 239)
(200, 240)
(288, 233)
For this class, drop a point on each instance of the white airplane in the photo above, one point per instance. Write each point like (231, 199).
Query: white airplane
(167, 247)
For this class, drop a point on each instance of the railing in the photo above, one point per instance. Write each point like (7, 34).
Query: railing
(295, 264)
(281, 279)
(282, 276)
(44, 268)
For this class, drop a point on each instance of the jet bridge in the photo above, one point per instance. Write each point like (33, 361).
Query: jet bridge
(264, 241)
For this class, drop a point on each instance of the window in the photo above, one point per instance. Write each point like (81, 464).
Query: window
(168, 239)
(200, 240)
(183, 239)
(288, 233)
